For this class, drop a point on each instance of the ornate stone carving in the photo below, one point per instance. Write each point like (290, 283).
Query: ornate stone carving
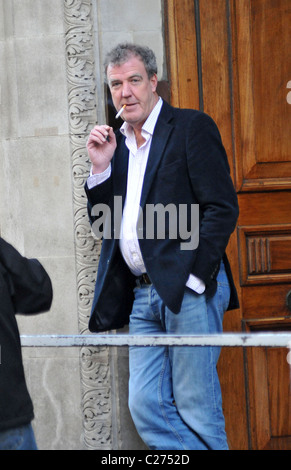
(94, 363)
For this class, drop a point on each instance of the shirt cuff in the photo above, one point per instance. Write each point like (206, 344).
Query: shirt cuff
(98, 178)
(195, 284)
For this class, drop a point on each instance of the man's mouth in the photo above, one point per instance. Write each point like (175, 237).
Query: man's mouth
(129, 105)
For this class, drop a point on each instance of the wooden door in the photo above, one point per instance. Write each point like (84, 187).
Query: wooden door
(231, 59)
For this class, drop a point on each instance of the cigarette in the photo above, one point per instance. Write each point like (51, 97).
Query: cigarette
(120, 111)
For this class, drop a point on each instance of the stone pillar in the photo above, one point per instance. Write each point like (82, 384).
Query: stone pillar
(51, 94)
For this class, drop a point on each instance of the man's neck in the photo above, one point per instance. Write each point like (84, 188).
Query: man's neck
(140, 140)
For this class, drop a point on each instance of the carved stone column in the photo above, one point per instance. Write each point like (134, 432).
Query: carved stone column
(94, 362)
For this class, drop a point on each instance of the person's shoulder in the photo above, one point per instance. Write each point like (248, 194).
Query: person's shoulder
(192, 117)
(187, 113)
(194, 114)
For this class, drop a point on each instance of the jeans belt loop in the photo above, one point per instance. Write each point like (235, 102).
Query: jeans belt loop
(144, 279)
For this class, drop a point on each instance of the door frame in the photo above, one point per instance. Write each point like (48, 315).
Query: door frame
(192, 67)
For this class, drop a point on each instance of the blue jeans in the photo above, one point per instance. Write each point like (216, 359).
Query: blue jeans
(21, 438)
(174, 392)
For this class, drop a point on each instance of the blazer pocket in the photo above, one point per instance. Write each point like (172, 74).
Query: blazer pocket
(170, 171)
(171, 185)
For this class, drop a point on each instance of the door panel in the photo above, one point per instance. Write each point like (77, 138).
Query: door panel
(262, 48)
(270, 20)
(270, 405)
(239, 72)
(260, 36)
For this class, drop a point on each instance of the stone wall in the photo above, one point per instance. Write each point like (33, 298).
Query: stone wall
(52, 93)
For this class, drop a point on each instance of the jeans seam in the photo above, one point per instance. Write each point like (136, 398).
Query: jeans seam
(212, 382)
(220, 287)
(160, 398)
(211, 358)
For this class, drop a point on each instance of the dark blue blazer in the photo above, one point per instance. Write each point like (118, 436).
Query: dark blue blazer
(25, 288)
(187, 165)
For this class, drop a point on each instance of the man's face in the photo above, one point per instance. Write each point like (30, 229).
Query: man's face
(129, 84)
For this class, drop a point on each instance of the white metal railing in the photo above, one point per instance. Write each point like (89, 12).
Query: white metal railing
(221, 340)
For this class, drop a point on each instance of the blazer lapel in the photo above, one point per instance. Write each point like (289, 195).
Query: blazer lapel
(161, 134)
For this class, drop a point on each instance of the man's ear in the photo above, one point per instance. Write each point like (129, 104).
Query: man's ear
(154, 82)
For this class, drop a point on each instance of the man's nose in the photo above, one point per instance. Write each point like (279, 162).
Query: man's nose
(126, 91)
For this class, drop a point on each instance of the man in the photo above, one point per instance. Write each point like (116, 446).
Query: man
(165, 284)
(25, 288)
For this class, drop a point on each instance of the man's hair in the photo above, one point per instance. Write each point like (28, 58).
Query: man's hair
(122, 52)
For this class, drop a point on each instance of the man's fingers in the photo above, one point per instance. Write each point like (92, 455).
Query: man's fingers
(99, 135)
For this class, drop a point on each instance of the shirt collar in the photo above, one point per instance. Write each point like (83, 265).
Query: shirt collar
(149, 124)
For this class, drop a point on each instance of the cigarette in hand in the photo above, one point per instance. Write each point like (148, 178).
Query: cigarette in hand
(120, 111)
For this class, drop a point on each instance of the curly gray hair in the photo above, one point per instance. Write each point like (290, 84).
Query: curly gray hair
(122, 52)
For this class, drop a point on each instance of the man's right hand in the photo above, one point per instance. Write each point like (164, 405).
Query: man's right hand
(101, 146)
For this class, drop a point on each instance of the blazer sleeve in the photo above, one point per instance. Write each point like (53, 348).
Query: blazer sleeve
(101, 193)
(29, 284)
(213, 187)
